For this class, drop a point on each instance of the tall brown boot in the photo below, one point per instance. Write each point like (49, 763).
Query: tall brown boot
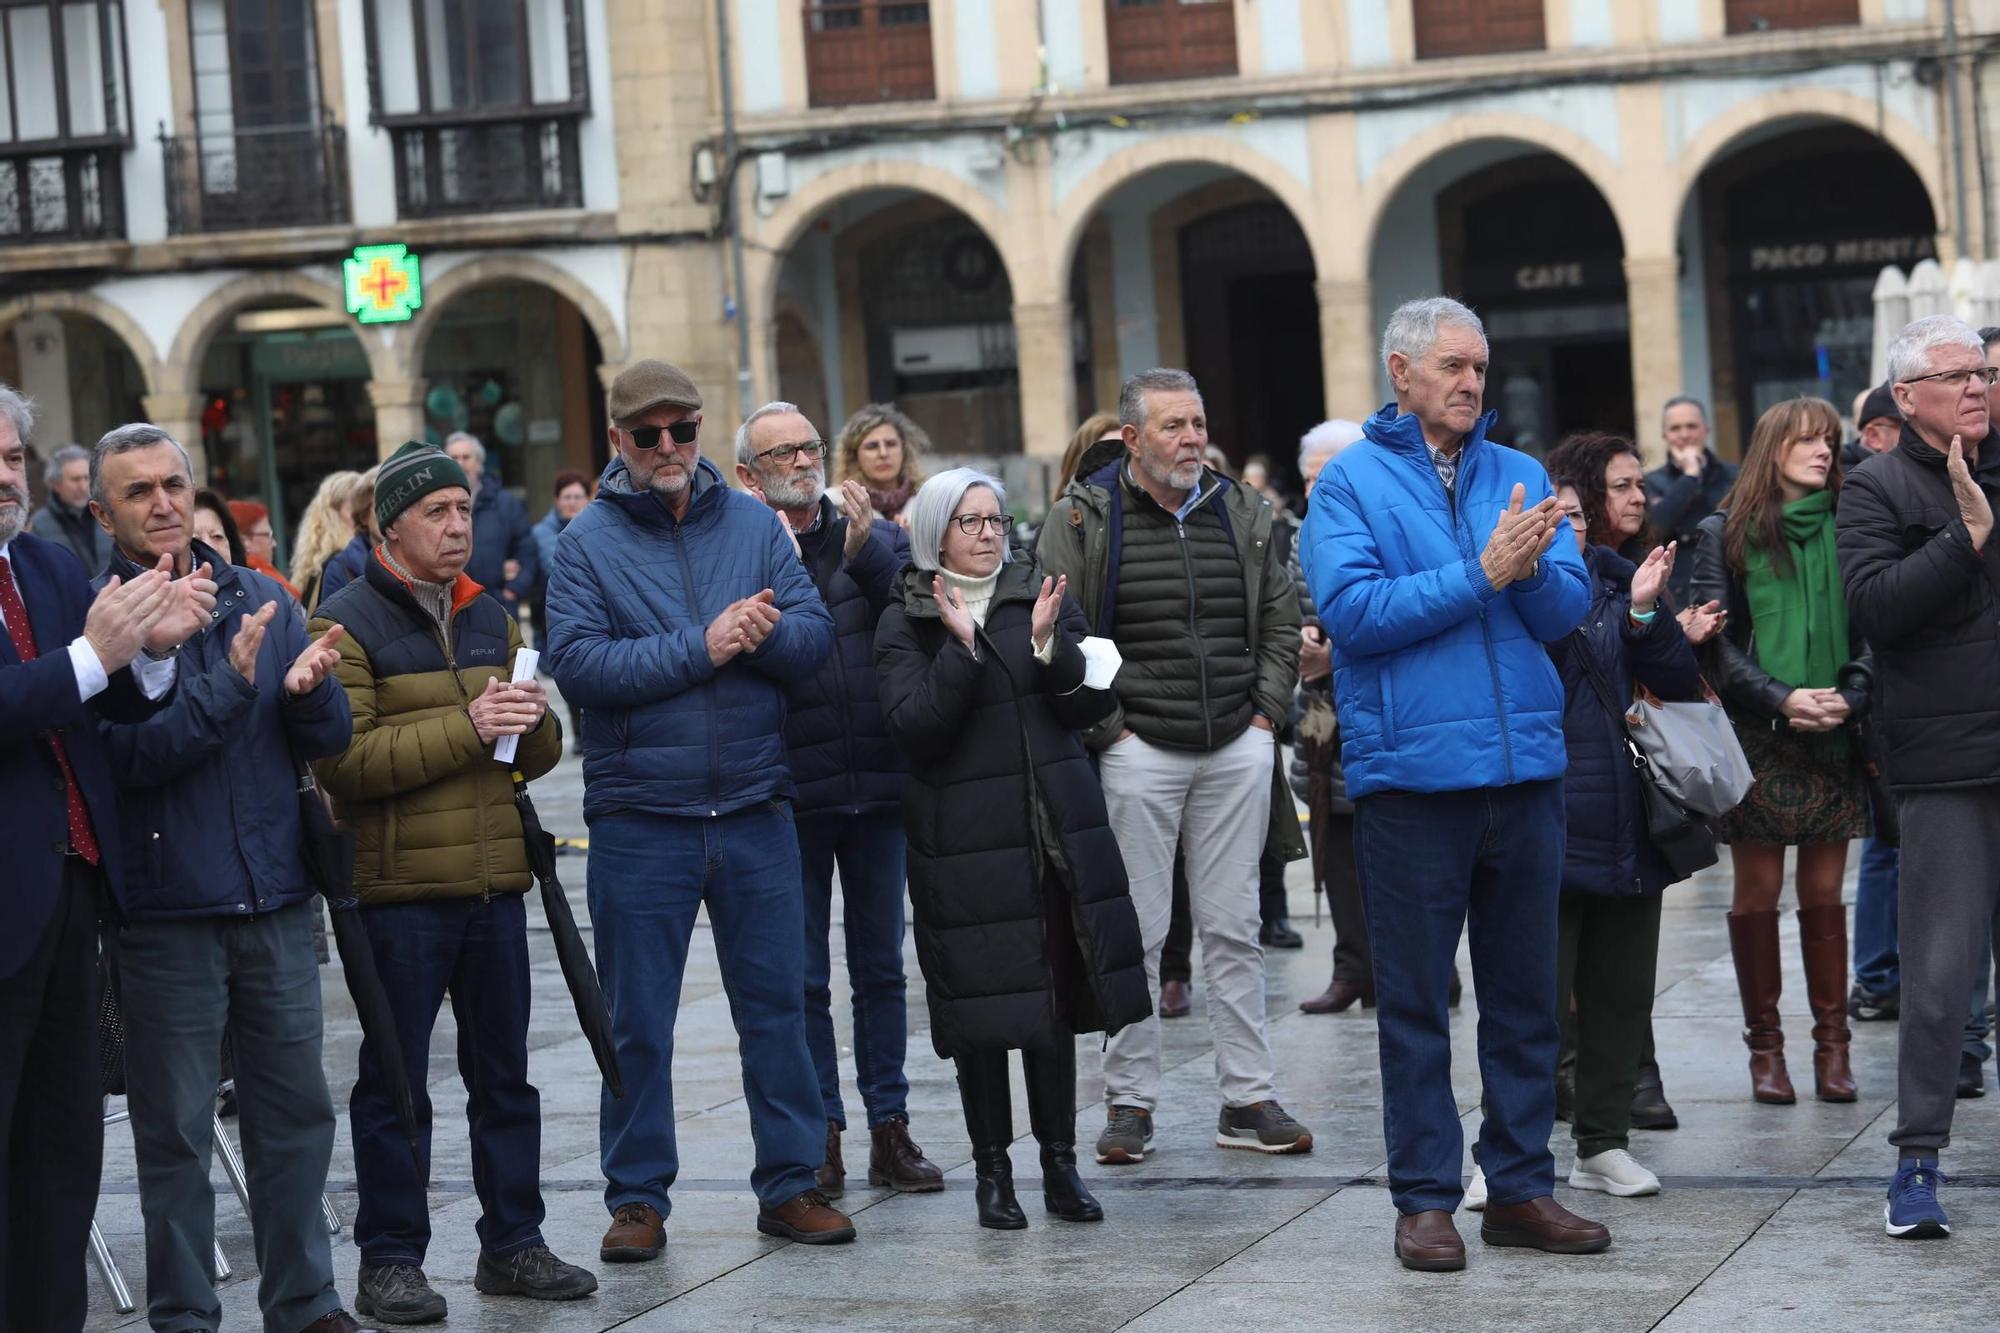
(1823, 942)
(1753, 943)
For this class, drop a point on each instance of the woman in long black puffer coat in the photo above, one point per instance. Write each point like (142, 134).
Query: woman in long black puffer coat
(1024, 928)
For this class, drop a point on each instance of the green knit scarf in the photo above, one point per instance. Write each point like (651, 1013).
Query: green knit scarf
(1800, 620)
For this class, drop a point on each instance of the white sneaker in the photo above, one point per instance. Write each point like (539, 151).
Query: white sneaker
(1475, 1193)
(1613, 1172)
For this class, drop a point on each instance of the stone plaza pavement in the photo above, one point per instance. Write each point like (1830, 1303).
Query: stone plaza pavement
(1771, 1216)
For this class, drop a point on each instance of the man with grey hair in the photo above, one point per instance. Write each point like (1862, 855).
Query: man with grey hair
(1429, 550)
(1686, 488)
(850, 802)
(1917, 555)
(66, 518)
(505, 560)
(1175, 564)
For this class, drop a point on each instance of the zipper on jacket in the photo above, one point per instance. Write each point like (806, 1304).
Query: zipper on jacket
(478, 791)
(714, 735)
(1464, 535)
(1194, 633)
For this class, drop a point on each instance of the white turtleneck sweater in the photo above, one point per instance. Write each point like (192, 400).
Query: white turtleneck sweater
(977, 594)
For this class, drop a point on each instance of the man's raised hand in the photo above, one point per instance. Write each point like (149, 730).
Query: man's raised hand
(122, 615)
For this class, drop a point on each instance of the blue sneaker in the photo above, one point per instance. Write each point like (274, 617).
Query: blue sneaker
(1913, 1210)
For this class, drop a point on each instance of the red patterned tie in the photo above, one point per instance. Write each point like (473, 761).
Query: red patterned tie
(15, 612)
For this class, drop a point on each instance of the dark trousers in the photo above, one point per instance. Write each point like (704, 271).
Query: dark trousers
(1875, 892)
(1608, 953)
(1428, 862)
(989, 1105)
(1176, 955)
(869, 851)
(477, 951)
(51, 1116)
(1343, 899)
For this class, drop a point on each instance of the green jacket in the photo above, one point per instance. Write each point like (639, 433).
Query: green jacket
(1075, 541)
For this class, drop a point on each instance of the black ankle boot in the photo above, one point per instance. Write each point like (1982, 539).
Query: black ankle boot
(1062, 1189)
(998, 1208)
(1051, 1080)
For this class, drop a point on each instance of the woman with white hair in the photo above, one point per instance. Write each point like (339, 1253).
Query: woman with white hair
(1024, 927)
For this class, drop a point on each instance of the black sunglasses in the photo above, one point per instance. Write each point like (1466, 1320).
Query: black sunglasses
(681, 432)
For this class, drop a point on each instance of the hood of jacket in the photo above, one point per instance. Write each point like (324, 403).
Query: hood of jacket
(1401, 433)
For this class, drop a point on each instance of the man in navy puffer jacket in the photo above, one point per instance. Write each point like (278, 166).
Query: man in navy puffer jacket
(679, 613)
(1428, 551)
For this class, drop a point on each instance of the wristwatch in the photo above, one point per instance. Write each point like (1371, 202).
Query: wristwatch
(167, 656)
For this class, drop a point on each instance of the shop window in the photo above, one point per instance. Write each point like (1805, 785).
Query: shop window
(1170, 39)
(482, 99)
(868, 51)
(1765, 15)
(1476, 27)
(63, 121)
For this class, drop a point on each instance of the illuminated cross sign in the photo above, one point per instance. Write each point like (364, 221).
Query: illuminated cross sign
(383, 283)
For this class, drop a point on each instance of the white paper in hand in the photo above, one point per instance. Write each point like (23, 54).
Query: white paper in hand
(1101, 661)
(525, 662)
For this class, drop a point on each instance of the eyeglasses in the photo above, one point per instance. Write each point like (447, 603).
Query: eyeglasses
(1955, 379)
(681, 432)
(998, 524)
(785, 453)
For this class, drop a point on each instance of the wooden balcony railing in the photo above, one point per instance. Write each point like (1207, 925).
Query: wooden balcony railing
(1446, 28)
(860, 51)
(1152, 40)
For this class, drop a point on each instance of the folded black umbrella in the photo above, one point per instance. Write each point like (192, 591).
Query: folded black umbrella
(579, 973)
(329, 857)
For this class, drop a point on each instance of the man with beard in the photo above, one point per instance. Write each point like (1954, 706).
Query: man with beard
(850, 782)
(1174, 563)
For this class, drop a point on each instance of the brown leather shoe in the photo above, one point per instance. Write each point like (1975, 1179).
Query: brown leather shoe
(1174, 999)
(808, 1219)
(832, 1173)
(1338, 997)
(1542, 1224)
(637, 1233)
(895, 1161)
(1429, 1242)
(338, 1322)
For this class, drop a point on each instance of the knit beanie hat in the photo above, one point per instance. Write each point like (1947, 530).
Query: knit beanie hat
(408, 475)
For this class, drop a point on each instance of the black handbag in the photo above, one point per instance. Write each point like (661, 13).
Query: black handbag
(1686, 841)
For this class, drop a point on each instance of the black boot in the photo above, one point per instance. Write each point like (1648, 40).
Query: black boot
(1052, 1112)
(989, 1122)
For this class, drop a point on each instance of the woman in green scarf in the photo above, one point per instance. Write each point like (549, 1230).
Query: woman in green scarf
(1794, 682)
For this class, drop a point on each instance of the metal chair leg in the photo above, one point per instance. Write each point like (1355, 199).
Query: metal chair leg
(107, 1268)
(232, 1165)
(332, 1218)
(223, 1272)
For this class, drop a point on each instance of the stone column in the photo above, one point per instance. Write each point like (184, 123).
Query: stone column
(1653, 300)
(399, 413)
(179, 415)
(1047, 365)
(1347, 338)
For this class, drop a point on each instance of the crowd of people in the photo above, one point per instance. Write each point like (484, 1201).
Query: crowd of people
(1069, 751)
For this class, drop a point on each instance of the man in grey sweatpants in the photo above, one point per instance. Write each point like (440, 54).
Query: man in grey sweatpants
(1923, 585)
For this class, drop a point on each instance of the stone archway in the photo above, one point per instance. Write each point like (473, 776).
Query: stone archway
(94, 307)
(506, 267)
(183, 362)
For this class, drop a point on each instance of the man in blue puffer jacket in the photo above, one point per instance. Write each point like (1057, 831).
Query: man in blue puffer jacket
(679, 612)
(1428, 551)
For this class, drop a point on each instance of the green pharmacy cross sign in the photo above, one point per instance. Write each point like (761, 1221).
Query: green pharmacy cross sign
(384, 284)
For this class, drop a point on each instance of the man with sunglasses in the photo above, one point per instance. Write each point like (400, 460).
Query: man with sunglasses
(679, 614)
(850, 799)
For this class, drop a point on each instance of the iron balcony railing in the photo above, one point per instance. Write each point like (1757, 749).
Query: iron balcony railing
(291, 176)
(57, 192)
(449, 164)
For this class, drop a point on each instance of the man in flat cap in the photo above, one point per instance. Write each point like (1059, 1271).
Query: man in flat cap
(678, 612)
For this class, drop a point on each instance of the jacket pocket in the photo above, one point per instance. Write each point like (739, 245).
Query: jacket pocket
(385, 873)
(1388, 707)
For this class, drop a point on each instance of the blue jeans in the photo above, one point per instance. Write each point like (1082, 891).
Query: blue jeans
(869, 850)
(477, 951)
(649, 874)
(1875, 965)
(182, 982)
(1427, 861)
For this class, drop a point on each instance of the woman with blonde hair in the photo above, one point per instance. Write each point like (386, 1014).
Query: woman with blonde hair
(880, 447)
(324, 531)
(1793, 676)
(1097, 426)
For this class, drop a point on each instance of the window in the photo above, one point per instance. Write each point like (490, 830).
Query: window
(1764, 15)
(1170, 39)
(61, 146)
(1476, 27)
(868, 51)
(482, 99)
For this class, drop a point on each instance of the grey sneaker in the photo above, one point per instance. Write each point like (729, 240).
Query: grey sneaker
(534, 1273)
(1127, 1137)
(397, 1294)
(1264, 1127)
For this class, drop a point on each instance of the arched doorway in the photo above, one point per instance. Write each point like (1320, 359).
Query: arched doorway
(1783, 237)
(515, 363)
(891, 295)
(82, 375)
(1526, 239)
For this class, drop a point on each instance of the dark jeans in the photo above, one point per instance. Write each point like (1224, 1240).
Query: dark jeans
(1608, 954)
(475, 950)
(1176, 955)
(183, 981)
(1875, 969)
(869, 851)
(649, 874)
(1428, 861)
(51, 1115)
(1343, 899)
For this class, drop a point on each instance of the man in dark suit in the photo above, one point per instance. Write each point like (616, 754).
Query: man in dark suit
(65, 657)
